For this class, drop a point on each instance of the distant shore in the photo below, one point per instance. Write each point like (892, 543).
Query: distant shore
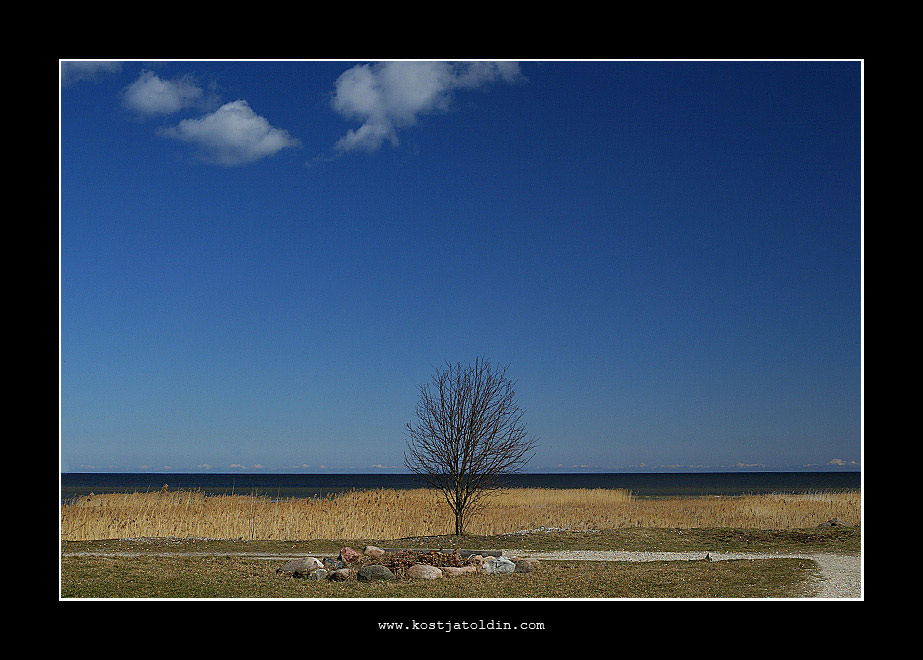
(641, 484)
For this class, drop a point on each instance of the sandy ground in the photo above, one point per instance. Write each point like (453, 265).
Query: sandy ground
(840, 575)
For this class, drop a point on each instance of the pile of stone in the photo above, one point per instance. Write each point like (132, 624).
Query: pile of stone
(374, 564)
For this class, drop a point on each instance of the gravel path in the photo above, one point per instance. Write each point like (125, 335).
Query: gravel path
(841, 575)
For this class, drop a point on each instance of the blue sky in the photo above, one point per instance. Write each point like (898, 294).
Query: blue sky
(261, 262)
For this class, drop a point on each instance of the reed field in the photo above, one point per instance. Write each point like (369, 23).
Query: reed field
(395, 514)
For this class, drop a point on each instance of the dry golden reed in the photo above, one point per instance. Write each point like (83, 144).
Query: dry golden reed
(394, 514)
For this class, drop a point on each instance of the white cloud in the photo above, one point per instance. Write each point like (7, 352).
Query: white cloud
(72, 72)
(837, 461)
(232, 135)
(204, 466)
(387, 96)
(151, 95)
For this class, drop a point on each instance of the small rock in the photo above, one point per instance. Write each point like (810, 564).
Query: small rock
(455, 571)
(497, 565)
(424, 572)
(317, 574)
(301, 566)
(339, 575)
(349, 556)
(372, 572)
(333, 563)
(834, 522)
(526, 565)
(373, 551)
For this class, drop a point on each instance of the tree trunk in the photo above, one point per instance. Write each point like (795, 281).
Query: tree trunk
(459, 524)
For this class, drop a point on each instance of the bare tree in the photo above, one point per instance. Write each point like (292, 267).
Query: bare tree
(468, 436)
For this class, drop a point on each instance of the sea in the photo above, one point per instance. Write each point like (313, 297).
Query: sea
(282, 486)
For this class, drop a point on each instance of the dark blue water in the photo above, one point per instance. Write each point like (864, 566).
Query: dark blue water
(317, 485)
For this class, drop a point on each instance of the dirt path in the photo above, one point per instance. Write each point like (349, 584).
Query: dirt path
(841, 575)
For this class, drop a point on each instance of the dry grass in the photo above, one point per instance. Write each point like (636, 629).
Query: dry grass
(395, 514)
(241, 577)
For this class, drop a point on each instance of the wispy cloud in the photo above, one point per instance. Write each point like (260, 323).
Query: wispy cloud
(72, 72)
(840, 462)
(151, 95)
(387, 96)
(232, 135)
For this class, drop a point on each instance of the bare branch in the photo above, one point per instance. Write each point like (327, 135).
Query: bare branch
(468, 437)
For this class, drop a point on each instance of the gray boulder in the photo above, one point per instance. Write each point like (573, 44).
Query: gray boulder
(318, 574)
(333, 563)
(373, 572)
(299, 567)
(497, 565)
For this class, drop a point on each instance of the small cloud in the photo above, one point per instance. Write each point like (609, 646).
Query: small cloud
(258, 466)
(204, 466)
(144, 467)
(232, 135)
(88, 467)
(750, 465)
(151, 95)
(386, 96)
(837, 461)
(76, 71)
(238, 466)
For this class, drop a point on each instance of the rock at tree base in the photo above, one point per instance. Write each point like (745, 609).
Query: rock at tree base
(424, 572)
(301, 566)
(349, 556)
(497, 565)
(372, 572)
